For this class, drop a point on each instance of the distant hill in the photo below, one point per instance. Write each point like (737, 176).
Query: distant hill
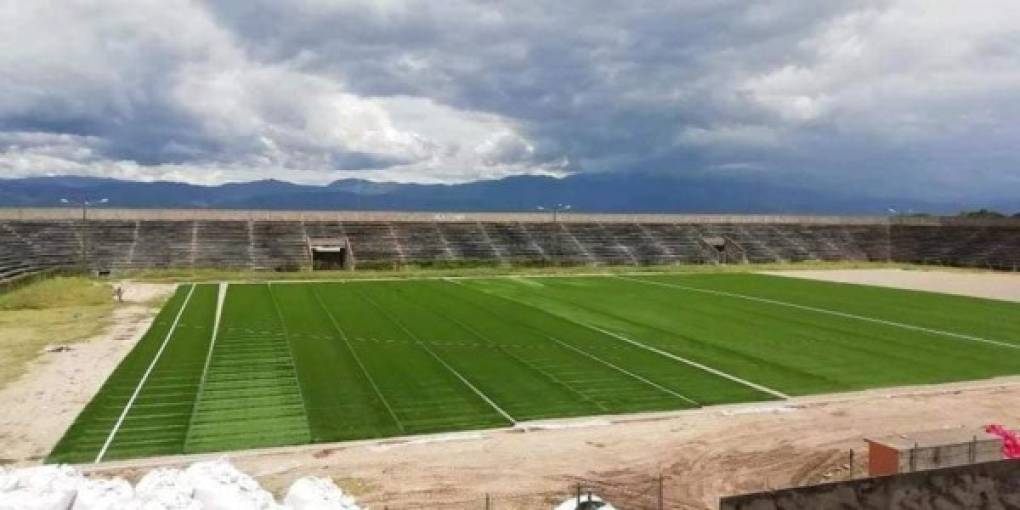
(584, 192)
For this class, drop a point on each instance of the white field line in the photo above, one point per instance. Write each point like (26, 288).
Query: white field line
(695, 364)
(145, 377)
(625, 371)
(293, 364)
(383, 446)
(357, 358)
(660, 352)
(475, 277)
(554, 379)
(220, 298)
(524, 362)
(827, 311)
(441, 361)
(876, 396)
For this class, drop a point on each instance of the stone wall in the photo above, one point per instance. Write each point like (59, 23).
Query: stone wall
(71, 213)
(992, 485)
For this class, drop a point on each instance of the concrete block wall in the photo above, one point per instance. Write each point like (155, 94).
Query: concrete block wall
(991, 485)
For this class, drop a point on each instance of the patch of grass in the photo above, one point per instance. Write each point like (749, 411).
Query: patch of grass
(49, 312)
(417, 271)
(794, 350)
(89, 431)
(59, 292)
(24, 334)
(329, 361)
(250, 396)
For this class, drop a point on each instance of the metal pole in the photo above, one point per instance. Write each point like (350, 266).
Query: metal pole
(85, 234)
(888, 239)
(660, 491)
(559, 236)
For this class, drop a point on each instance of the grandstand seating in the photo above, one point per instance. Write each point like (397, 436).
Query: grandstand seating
(18, 258)
(994, 247)
(28, 246)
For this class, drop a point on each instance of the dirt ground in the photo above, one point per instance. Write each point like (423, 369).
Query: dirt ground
(1005, 286)
(701, 454)
(40, 405)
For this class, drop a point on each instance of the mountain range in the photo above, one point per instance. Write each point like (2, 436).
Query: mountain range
(608, 192)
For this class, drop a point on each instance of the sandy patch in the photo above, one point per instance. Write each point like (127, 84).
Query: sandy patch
(144, 293)
(1004, 286)
(39, 406)
(702, 454)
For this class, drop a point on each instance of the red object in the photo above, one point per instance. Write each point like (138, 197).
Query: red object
(1010, 443)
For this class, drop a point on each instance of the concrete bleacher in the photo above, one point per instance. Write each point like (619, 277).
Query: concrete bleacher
(20, 258)
(279, 241)
(515, 243)
(989, 246)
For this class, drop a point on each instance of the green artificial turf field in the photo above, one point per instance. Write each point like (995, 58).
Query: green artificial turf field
(253, 365)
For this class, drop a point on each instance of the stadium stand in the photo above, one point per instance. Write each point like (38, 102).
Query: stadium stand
(118, 240)
(18, 258)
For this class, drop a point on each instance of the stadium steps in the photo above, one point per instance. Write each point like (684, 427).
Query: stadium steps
(32, 245)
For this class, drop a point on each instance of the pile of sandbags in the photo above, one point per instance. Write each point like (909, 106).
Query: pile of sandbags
(215, 485)
(39, 488)
(585, 502)
(312, 493)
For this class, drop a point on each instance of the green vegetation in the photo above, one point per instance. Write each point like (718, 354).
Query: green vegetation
(312, 362)
(49, 312)
(60, 292)
(438, 271)
(250, 396)
(87, 435)
(981, 213)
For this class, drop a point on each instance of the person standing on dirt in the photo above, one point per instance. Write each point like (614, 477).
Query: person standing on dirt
(119, 293)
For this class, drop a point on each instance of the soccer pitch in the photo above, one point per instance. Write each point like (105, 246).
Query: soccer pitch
(255, 365)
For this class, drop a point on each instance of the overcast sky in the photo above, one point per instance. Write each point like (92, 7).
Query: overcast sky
(907, 96)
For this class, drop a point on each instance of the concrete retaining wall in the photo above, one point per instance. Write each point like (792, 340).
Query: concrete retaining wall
(71, 213)
(991, 485)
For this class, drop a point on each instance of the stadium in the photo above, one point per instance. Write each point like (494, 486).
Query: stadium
(306, 331)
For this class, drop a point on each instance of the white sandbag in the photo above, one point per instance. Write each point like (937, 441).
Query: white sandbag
(164, 489)
(40, 488)
(220, 486)
(112, 494)
(312, 493)
(8, 480)
(587, 501)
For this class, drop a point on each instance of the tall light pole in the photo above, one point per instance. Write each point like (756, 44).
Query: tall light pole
(556, 210)
(85, 204)
(888, 234)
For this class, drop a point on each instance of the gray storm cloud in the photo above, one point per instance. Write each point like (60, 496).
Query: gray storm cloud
(907, 95)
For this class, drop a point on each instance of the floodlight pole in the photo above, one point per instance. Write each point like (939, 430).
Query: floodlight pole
(85, 204)
(888, 234)
(556, 211)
